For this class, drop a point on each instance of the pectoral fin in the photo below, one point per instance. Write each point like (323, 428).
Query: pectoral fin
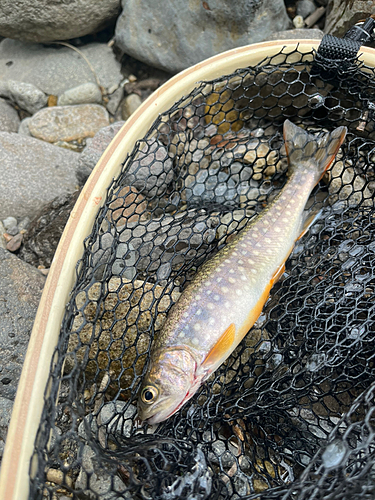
(221, 348)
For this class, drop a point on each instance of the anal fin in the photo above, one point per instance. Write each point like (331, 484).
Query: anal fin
(221, 348)
(309, 221)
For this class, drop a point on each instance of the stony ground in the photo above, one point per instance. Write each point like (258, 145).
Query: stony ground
(62, 102)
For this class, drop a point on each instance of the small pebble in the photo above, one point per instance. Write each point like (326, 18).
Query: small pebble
(24, 224)
(7, 237)
(305, 8)
(298, 22)
(129, 105)
(14, 244)
(9, 222)
(58, 477)
(13, 230)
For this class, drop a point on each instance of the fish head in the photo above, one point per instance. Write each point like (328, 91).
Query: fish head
(169, 382)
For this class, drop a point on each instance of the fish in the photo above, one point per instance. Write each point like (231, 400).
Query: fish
(227, 294)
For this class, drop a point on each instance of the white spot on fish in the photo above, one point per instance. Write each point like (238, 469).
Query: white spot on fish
(224, 289)
(240, 261)
(210, 306)
(277, 229)
(227, 261)
(231, 271)
(217, 298)
(288, 212)
(219, 279)
(195, 341)
(285, 219)
(266, 223)
(227, 305)
(244, 253)
(182, 335)
(243, 278)
(255, 252)
(199, 312)
(197, 327)
(198, 297)
(269, 250)
(254, 271)
(211, 321)
(186, 314)
(231, 280)
(209, 292)
(238, 292)
(250, 261)
(267, 240)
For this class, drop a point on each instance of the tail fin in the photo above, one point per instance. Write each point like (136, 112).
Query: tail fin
(307, 150)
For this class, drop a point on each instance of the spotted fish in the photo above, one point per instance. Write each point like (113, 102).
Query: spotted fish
(226, 296)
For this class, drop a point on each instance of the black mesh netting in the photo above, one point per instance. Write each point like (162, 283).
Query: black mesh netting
(290, 413)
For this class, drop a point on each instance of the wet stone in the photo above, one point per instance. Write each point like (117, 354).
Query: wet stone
(45, 230)
(14, 244)
(152, 170)
(9, 120)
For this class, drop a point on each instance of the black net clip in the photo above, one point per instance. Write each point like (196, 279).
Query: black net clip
(336, 57)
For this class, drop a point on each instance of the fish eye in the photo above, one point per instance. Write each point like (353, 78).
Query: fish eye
(149, 394)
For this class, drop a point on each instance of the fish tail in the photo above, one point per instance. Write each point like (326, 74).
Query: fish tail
(307, 150)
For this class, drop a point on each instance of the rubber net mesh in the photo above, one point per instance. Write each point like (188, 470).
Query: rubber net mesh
(290, 414)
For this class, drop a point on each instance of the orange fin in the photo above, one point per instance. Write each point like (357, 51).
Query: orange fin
(278, 274)
(221, 347)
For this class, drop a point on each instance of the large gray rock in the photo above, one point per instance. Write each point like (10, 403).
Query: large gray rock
(45, 21)
(9, 120)
(56, 69)
(21, 286)
(32, 173)
(188, 32)
(341, 15)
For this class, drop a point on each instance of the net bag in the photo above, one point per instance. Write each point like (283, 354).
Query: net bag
(290, 413)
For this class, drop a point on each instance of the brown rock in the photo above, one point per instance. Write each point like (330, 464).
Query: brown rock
(342, 15)
(68, 123)
(128, 206)
(14, 244)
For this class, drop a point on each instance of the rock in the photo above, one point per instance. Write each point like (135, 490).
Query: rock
(9, 120)
(14, 244)
(68, 123)
(45, 21)
(129, 105)
(27, 96)
(56, 69)
(21, 286)
(304, 34)
(9, 222)
(32, 173)
(6, 406)
(298, 22)
(45, 230)
(94, 150)
(204, 29)
(114, 419)
(24, 127)
(152, 170)
(86, 93)
(23, 224)
(96, 482)
(305, 8)
(342, 15)
(13, 230)
(114, 99)
(347, 187)
(3, 242)
(128, 206)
